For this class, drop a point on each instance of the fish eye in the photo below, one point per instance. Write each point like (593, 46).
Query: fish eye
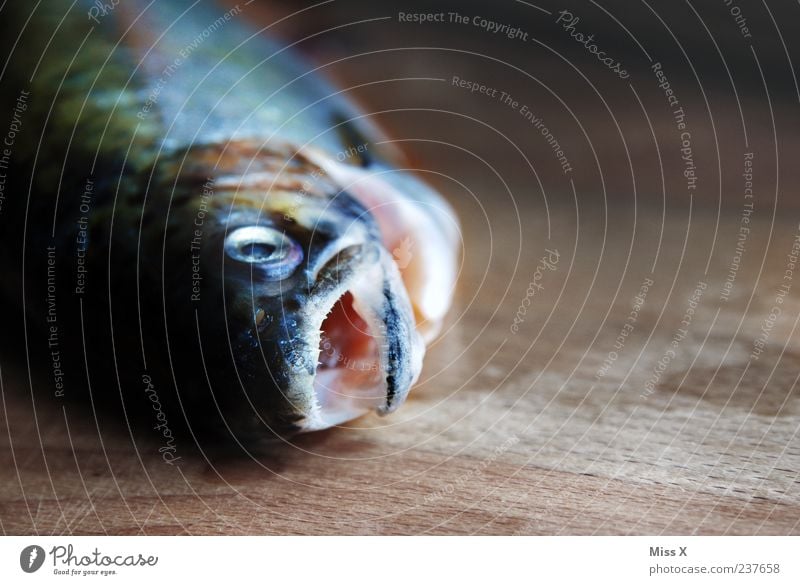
(273, 251)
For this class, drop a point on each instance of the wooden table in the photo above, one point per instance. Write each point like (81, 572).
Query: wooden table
(506, 433)
(568, 425)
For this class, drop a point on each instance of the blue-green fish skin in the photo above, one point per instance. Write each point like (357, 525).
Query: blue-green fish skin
(184, 176)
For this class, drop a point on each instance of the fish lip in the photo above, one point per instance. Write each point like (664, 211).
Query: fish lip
(389, 318)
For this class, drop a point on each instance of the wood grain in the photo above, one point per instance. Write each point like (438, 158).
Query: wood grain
(505, 434)
(513, 432)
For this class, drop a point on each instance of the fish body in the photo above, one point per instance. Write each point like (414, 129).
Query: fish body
(192, 204)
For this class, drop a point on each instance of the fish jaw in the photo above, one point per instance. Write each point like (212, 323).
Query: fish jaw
(358, 328)
(411, 217)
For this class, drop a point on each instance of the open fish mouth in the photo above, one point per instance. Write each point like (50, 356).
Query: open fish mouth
(368, 353)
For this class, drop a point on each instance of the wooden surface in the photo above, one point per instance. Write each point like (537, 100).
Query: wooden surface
(513, 433)
(505, 434)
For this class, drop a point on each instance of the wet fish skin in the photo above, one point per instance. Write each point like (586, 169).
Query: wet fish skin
(240, 354)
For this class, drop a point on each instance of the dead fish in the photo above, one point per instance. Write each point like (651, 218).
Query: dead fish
(198, 205)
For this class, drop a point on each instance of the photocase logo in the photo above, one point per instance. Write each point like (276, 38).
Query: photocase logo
(31, 558)
(403, 253)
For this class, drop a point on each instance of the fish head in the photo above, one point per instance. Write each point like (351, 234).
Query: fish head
(320, 321)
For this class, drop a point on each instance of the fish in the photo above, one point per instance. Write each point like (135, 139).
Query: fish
(191, 206)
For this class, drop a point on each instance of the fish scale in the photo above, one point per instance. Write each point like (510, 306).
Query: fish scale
(173, 135)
